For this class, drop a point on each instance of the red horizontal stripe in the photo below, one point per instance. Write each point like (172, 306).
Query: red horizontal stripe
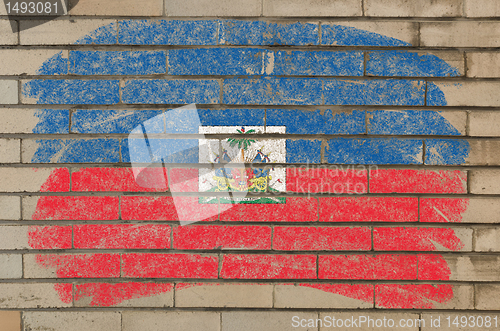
(321, 238)
(122, 236)
(371, 267)
(433, 267)
(362, 209)
(223, 237)
(58, 181)
(269, 267)
(169, 266)
(442, 210)
(418, 181)
(50, 237)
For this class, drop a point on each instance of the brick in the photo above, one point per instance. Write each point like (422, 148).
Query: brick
(487, 240)
(169, 266)
(311, 8)
(8, 92)
(485, 182)
(118, 63)
(285, 91)
(34, 179)
(483, 152)
(69, 91)
(110, 180)
(483, 124)
(415, 64)
(418, 8)
(213, 8)
(483, 65)
(116, 8)
(303, 151)
(175, 321)
(34, 62)
(294, 210)
(416, 122)
(72, 321)
(487, 297)
(132, 294)
(171, 91)
(454, 319)
(418, 181)
(10, 208)
(10, 320)
(222, 237)
(322, 180)
(7, 37)
(265, 320)
(459, 34)
(476, 94)
(12, 266)
(368, 209)
(111, 121)
(32, 295)
(163, 151)
(260, 266)
(400, 92)
(218, 61)
(70, 208)
(369, 321)
(422, 239)
(482, 8)
(367, 33)
(37, 237)
(76, 151)
(260, 33)
(119, 236)
(168, 32)
(424, 296)
(476, 268)
(317, 121)
(323, 296)
(167, 209)
(450, 151)
(474, 210)
(224, 295)
(383, 266)
(321, 238)
(71, 266)
(11, 150)
(15, 120)
(374, 151)
(61, 32)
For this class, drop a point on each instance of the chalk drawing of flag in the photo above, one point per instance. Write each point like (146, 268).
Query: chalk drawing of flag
(346, 199)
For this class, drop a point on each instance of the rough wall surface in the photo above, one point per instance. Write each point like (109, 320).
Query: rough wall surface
(380, 118)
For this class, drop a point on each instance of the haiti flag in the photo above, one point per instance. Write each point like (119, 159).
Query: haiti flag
(305, 164)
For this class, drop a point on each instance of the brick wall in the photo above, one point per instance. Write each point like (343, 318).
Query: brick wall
(381, 115)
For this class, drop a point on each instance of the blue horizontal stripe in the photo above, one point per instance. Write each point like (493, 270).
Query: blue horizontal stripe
(157, 91)
(160, 150)
(168, 32)
(52, 121)
(408, 64)
(72, 92)
(77, 151)
(118, 63)
(435, 97)
(409, 122)
(56, 65)
(374, 151)
(318, 121)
